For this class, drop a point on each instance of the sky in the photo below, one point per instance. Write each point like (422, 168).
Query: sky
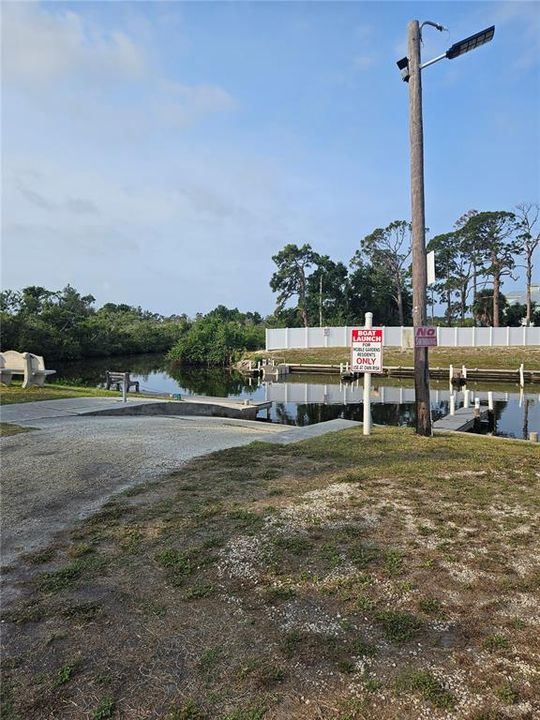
(159, 153)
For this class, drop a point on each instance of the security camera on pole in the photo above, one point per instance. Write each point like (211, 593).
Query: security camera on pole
(410, 68)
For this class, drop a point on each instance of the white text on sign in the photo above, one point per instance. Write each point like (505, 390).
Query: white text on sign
(366, 350)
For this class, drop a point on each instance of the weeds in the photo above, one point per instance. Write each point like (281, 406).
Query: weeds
(398, 626)
(393, 562)
(496, 642)
(63, 675)
(211, 658)
(39, 557)
(188, 711)
(429, 687)
(429, 605)
(105, 709)
(54, 582)
(279, 593)
(177, 563)
(507, 694)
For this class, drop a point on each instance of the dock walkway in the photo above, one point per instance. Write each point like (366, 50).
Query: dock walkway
(462, 420)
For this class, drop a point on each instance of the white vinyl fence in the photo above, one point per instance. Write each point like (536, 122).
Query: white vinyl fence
(314, 337)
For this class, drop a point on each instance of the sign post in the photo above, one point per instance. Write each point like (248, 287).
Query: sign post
(366, 358)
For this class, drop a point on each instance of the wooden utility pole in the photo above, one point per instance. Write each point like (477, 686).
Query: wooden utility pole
(419, 265)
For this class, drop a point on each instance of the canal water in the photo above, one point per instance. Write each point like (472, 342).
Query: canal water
(309, 399)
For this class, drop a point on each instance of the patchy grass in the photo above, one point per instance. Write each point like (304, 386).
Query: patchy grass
(481, 357)
(345, 578)
(398, 625)
(11, 429)
(429, 687)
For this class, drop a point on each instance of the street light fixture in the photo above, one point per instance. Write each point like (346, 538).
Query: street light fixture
(410, 68)
(457, 49)
(471, 43)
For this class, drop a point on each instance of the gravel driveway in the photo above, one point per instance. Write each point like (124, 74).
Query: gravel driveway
(64, 471)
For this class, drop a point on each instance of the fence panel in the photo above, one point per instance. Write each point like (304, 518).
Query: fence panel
(313, 337)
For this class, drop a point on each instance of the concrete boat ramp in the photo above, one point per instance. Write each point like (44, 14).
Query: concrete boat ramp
(82, 451)
(21, 413)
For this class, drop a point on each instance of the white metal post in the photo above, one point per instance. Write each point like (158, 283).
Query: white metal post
(367, 385)
(521, 375)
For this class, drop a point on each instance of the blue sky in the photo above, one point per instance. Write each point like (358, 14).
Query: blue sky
(160, 153)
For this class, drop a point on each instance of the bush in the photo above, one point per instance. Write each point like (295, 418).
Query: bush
(213, 342)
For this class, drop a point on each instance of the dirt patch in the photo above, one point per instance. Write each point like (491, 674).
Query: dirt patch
(346, 577)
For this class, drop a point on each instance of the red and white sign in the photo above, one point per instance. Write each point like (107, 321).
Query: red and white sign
(425, 336)
(367, 350)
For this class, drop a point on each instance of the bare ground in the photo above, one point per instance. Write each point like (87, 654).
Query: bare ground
(344, 578)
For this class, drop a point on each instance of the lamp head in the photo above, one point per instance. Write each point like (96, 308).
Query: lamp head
(471, 43)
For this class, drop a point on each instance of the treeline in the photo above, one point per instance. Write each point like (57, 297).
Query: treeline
(65, 325)
(472, 261)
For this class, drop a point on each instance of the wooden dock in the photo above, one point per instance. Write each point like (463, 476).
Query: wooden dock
(463, 420)
(436, 373)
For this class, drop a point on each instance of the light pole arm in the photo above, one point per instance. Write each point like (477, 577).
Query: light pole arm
(432, 62)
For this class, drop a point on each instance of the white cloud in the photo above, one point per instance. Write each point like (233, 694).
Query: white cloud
(61, 62)
(40, 46)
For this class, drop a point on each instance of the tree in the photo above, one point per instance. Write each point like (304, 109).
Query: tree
(389, 248)
(493, 235)
(445, 248)
(290, 278)
(517, 312)
(483, 307)
(528, 233)
(327, 292)
(369, 289)
(470, 254)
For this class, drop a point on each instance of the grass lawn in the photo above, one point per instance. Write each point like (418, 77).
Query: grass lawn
(343, 578)
(14, 393)
(484, 357)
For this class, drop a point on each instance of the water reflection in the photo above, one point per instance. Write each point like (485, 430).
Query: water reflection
(155, 374)
(309, 399)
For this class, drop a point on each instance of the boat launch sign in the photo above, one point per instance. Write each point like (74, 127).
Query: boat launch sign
(367, 350)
